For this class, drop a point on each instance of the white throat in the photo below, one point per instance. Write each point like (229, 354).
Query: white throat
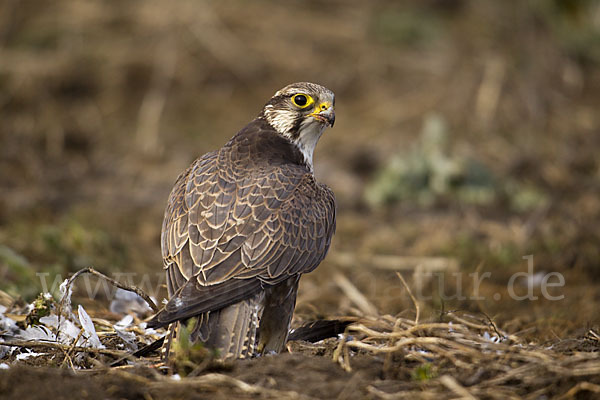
(310, 133)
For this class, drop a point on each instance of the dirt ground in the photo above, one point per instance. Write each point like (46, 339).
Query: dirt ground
(464, 157)
(277, 377)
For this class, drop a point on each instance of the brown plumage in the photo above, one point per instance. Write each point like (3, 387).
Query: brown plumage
(244, 222)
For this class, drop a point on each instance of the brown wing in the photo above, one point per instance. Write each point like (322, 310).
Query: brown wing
(225, 237)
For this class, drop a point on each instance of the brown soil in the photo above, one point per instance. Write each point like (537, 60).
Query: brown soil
(104, 103)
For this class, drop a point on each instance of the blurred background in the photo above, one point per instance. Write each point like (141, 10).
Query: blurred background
(467, 137)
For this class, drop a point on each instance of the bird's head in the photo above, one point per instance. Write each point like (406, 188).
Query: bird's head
(301, 112)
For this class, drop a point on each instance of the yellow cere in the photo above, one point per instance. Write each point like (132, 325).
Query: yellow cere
(324, 106)
(321, 107)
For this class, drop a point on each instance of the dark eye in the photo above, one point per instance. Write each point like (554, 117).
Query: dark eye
(302, 100)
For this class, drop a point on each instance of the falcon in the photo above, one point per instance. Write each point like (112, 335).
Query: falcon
(243, 223)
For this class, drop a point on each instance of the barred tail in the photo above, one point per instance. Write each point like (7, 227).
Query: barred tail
(232, 331)
(167, 347)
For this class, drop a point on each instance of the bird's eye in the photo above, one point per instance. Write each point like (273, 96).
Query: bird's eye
(302, 100)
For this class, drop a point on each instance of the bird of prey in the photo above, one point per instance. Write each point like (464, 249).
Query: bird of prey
(243, 223)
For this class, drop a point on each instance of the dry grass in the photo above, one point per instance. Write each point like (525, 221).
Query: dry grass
(104, 103)
(457, 354)
(462, 357)
(473, 361)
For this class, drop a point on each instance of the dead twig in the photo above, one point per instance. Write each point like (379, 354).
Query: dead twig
(340, 354)
(494, 327)
(70, 351)
(581, 386)
(412, 297)
(91, 270)
(453, 385)
(354, 294)
(216, 381)
(59, 346)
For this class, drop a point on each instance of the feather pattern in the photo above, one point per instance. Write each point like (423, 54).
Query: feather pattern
(241, 225)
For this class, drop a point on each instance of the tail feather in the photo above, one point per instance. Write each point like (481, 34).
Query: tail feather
(315, 331)
(167, 347)
(203, 327)
(277, 317)
(232, 330)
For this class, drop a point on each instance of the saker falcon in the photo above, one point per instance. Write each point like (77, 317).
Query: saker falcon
(244, 223)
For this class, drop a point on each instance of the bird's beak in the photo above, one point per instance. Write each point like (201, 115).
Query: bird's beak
(324, 113)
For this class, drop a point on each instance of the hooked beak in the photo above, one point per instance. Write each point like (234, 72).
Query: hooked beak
(324, 113)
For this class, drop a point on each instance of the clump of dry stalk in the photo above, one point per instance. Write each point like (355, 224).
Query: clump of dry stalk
(470, 358)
